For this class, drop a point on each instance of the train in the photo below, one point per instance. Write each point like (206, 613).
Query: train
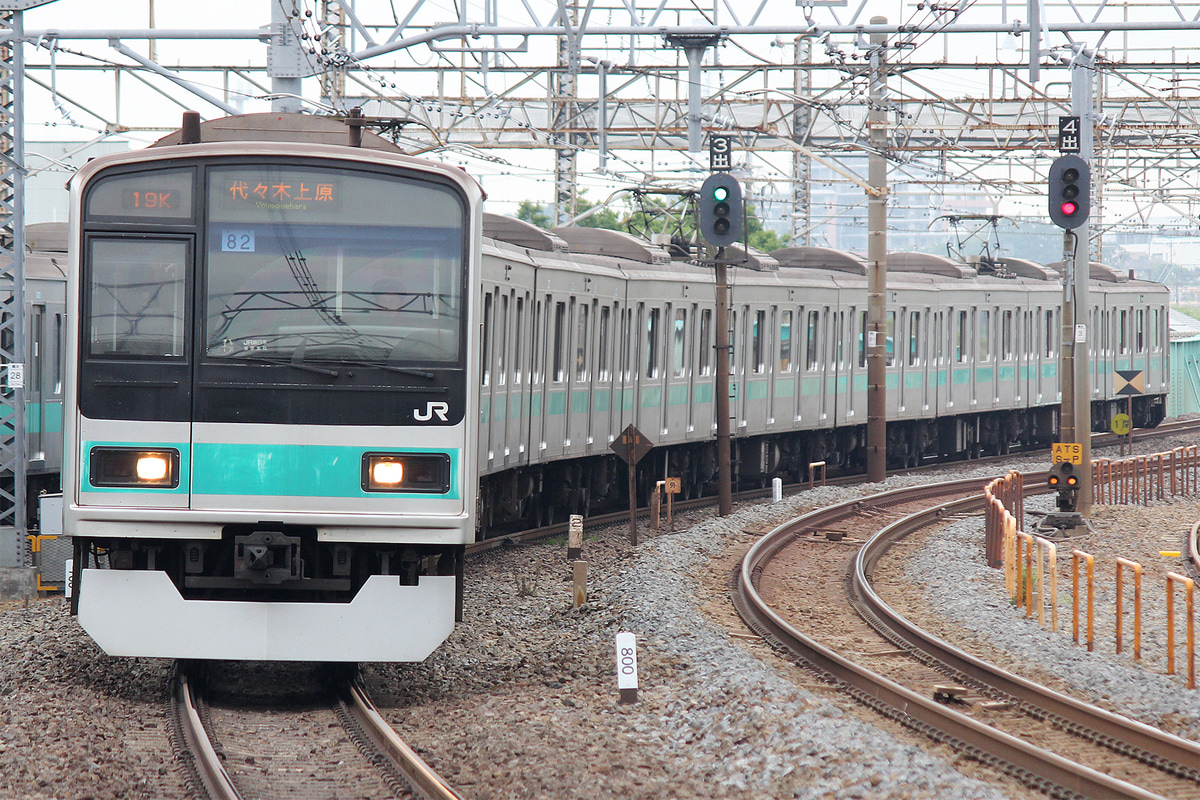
(586, 331)
(270, 394)
(304, 371)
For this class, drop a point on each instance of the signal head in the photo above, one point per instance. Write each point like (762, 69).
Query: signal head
(721, 210)
(1069, 191)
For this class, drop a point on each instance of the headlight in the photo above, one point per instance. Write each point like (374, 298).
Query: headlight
(406, 472)
(134, 467)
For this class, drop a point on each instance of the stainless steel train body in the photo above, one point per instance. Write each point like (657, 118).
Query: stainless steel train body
(45, 336)
(271, 396)
(587, 331)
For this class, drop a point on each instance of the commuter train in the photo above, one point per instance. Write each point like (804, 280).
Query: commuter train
(271, 395)
(303, 375)
(586, 331)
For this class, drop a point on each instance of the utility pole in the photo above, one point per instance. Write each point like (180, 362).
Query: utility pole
(1082, 74)
(877, 262)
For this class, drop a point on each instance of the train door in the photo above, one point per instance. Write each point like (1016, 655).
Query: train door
(754, 365)
(676, 401)
(518, 401)
(488, 435)
(983, 376)
(35, 398)
(702, 403)
(783, 391)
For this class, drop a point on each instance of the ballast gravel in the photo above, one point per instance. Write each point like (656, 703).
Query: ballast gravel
(521, 701)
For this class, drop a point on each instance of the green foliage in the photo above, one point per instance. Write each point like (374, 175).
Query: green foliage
(533, 213)
(601, 217)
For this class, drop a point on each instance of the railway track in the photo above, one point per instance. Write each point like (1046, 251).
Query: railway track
(266, 752)
(1051, 742)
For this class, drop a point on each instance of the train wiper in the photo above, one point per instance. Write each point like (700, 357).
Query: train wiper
(292, 362)
(419, 373)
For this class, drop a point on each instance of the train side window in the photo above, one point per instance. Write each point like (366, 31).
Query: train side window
(652, 336)
(535, 367)
(678, 353)
(1140, 330)
(785, 342)
(502, 348)
(519, 329)
(1049, 329)
(813, 349)
(985, 335)
(862, 338)
(757, 337)
(485, 343)
(890, 340)
(914, 338)
(1123, 332)
(602, 368)
(1006, 335)
(706, 344)
(581, 342)
(960, 338)
(560, 344)
(938, 342)
(36, 349)
(58, 353)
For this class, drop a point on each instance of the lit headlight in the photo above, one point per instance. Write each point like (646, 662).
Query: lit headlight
(406, 472)
(134, 467)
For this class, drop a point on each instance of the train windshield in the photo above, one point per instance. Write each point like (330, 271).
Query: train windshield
(307, 264)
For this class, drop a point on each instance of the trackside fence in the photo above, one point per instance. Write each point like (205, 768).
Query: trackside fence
(1030, 562)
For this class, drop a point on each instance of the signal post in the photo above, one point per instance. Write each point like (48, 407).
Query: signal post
(721, 225)
(1069, 198)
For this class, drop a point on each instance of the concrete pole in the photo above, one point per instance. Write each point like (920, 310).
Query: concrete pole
(877, 263)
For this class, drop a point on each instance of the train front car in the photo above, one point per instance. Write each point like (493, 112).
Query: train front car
(270, 411)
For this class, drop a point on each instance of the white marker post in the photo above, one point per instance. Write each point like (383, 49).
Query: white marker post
(627, 677)
(575, 538)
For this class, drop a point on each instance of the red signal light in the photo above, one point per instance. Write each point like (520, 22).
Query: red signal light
(1069, 208)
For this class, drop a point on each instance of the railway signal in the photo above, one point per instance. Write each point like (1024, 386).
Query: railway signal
(1064, 479)
(1070, 191)
(721, 210)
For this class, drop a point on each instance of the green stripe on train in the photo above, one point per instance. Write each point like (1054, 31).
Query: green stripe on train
(295, 470)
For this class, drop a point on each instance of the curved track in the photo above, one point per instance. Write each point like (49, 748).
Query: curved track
(405, 774)
(1153, 764)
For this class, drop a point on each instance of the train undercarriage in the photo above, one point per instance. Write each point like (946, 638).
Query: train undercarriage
(543, 494)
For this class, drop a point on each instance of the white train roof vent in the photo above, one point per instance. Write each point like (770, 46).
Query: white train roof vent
(755, 259)
(522, 234)
(929, 265)
(1023, 268)
(820, 258)
(46, 237)
(1099, 272)
(617, 244)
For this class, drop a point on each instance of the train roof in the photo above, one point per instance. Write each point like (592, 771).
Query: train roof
(49, 237)
(522, 234)
(617, 244)
(929, 264)
(1024, 268)
(276, 127)
(1098, 272)
(820, 258)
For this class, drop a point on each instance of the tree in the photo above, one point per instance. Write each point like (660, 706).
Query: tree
(757, 236)
(533, 213)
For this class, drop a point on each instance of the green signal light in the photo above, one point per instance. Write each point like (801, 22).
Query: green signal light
(721, 193)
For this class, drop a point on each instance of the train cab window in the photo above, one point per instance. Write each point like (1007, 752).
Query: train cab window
(678, 353)
(914, 338)
(652, 336)
(758, 335)
(706, 343)
(813, 348)
(559, 363)
(581, 343)
(785, 342)
(602, 361)
(137, 297)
